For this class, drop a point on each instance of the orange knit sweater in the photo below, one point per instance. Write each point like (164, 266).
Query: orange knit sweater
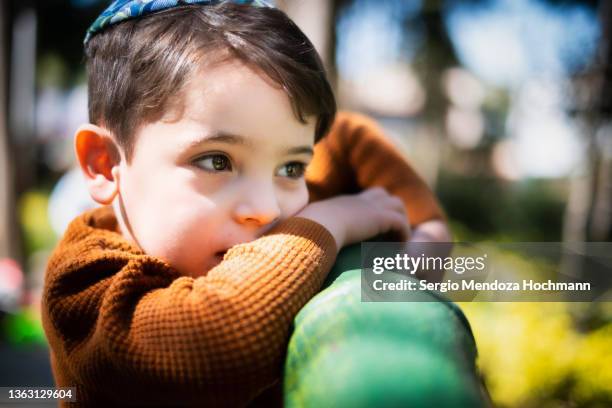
(126, 328)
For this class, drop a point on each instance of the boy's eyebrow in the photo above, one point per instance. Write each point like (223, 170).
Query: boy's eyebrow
(300, 150)
(233, 139)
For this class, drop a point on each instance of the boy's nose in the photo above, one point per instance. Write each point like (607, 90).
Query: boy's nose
(259, 208)
(256, 216)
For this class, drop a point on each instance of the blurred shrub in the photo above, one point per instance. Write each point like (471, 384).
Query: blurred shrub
(543, 354)
(532, 355)
(23, 327)
(38, 234)
(528, 211)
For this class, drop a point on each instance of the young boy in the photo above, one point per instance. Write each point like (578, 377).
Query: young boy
(182, 289)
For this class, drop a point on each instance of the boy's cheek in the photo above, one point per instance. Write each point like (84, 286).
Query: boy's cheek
(296, 202)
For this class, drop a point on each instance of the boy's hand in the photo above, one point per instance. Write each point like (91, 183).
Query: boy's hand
(355, 218)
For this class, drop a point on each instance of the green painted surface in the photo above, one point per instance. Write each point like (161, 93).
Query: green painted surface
(348, 353)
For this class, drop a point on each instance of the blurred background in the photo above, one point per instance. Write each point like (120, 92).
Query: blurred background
(503, 106)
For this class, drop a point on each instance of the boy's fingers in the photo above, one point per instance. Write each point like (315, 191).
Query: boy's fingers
(397, 204)
(374, 192)
(400, 224)
(392, 203)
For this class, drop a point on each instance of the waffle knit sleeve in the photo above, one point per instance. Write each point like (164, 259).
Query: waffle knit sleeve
(125, 327)
(356, 155)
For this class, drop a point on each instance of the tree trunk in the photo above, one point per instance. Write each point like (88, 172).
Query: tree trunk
(589, 211)
(8, 220)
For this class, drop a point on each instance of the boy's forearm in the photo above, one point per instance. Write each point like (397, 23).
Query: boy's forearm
(146, 323)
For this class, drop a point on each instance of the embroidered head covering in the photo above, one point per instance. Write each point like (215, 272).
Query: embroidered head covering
(121, 10)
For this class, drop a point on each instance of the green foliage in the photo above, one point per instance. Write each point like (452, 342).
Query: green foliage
(23, 327)
(37, 231)
(532, 355)
(540, 354)
(530, 211)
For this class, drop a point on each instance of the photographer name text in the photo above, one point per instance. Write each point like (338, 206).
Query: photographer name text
(472, 285)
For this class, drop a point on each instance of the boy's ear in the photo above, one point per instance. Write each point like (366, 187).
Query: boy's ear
(99, 158)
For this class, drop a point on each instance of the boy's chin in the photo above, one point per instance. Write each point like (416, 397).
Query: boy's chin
(217, 259)
(212, 262)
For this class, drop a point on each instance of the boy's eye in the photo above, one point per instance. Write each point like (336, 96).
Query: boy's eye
(292, 170)
(214, 162)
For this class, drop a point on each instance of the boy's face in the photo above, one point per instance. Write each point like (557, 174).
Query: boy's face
(223, 171)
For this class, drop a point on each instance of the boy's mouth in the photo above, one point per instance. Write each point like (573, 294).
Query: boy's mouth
(220, 254)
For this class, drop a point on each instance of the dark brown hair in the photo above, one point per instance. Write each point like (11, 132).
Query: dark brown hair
(139, 67)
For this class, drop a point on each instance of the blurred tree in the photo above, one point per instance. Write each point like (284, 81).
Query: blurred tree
(436, 54)
(66, 41)
(434, 57)
(336, 8)
(30, 29)
(589, 212)
(9, 236)
(322, 33)
(426, 44)
(599, 220)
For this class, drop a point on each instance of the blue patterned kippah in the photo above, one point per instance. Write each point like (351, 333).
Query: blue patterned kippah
(121, 10)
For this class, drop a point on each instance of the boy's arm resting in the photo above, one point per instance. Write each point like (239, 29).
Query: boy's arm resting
(356, 155)
(127, 327)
